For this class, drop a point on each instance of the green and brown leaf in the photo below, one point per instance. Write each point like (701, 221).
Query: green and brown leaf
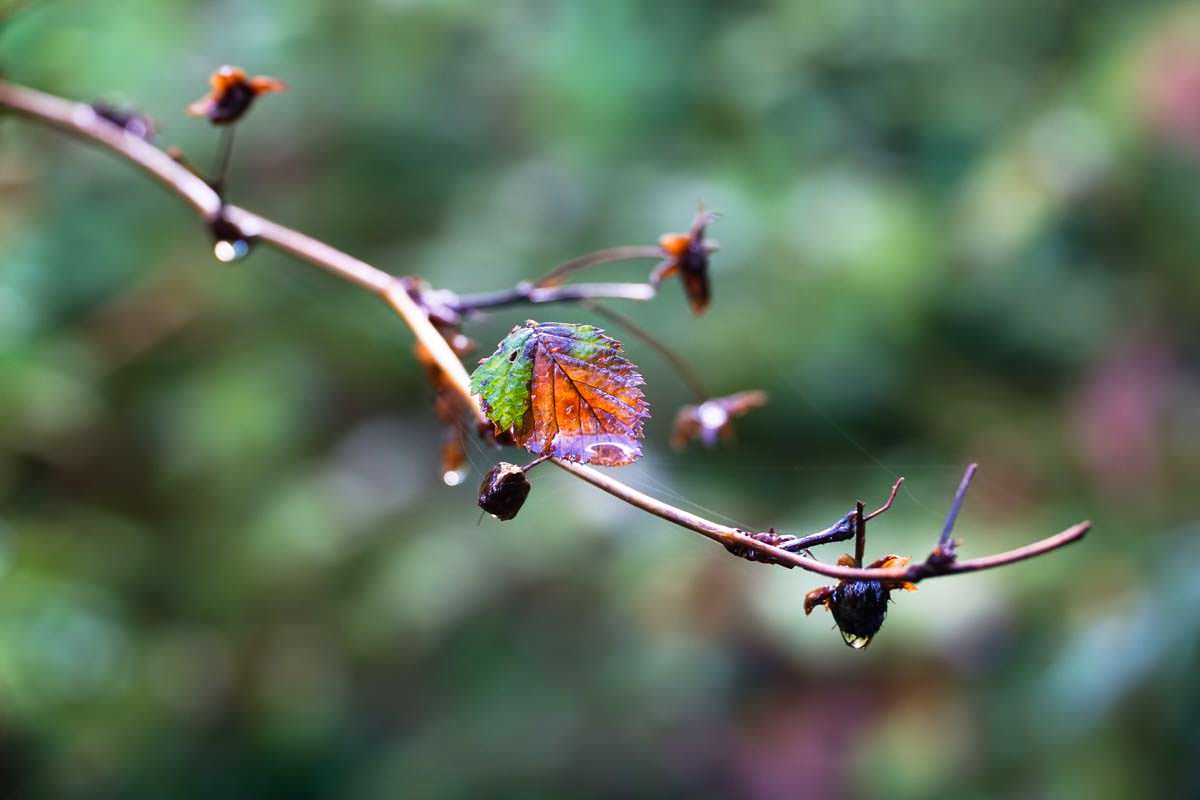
(565, 390)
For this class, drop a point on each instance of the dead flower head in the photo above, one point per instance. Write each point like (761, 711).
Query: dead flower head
(712, 419)
(231, 95)
(687, 256)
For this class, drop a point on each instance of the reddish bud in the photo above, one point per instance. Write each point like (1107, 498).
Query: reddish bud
(231, 95)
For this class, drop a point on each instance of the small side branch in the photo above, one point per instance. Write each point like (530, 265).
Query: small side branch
(627, 253)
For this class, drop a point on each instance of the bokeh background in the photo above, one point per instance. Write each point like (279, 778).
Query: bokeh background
(951, 231)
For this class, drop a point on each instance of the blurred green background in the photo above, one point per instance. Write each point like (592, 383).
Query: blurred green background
(951, 231)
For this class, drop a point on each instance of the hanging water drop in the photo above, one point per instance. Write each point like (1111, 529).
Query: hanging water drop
(855, 640)
(230, 243)
(859, 608)
(227, 250)
(453, 477)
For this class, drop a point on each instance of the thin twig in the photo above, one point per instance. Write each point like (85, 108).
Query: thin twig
(891, 499)
(860, 534)
(626, 253)
(738, 538)
(944, 543)
(81, 121)
(677, 362)
(224, 153)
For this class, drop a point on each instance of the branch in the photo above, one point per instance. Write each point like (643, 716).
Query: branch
(737, 538)
(78, 119)
(81, 121)
(526, 292)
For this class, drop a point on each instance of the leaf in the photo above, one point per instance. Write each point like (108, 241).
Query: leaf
(564, 390)
(502, 380)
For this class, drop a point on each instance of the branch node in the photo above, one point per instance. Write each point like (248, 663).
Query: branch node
(769, 537)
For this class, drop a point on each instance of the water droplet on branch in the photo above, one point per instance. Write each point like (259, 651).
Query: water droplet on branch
(227, 251)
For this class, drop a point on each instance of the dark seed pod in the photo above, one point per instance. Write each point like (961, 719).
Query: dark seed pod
(858, 609)
(503, 490)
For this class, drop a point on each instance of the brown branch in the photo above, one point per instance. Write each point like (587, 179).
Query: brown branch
(737, 538)
(81, 121)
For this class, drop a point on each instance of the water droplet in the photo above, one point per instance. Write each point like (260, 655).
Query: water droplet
(453, 477)
(856, 641)
(712, 416)
(227, 251)
(612, 450)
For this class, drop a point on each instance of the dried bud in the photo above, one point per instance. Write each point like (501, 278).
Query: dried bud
(687, 256)
(231, 95)
(859, 607)
(711, 419)
(503, 490)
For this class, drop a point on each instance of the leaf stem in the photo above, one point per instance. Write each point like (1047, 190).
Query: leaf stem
(224, 153)
(624, 253)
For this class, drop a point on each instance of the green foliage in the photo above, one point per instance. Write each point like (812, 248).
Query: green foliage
(502, 380)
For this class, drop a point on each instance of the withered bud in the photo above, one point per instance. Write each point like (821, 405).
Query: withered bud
(503, 490)
(231, 95)
(686, 255)
(712, 419)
